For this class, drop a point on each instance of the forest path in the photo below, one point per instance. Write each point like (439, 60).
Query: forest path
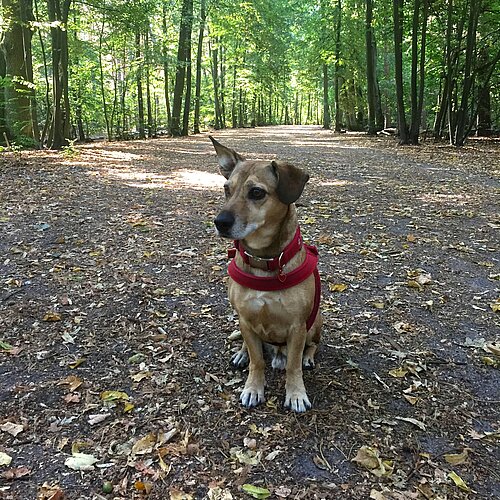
(112, 279)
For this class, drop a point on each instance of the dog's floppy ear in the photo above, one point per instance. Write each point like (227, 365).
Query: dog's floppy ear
(228, 158)
(291, 182)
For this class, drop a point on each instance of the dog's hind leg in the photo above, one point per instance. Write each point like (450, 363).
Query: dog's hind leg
(279, 357)
(240, 358)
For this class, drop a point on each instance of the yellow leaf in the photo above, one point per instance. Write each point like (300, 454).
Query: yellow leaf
(414, 284)
(140, 376)
(457, 458)
(76, 363)
(398, 372)
(495, 306)
(114, 396)
(72, 381)
(337, 287)
(309, 220)
(128, 407)
(378, 304)
(458, 481)
(490, 361)
(52, 316)
(411, 399)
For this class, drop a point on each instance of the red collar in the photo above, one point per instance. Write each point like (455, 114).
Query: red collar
(282, 280)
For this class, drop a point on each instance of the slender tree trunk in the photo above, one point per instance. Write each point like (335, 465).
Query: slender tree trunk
(183, 56)
(371, 76)
(140, 98)
(165, 66)
(326, 104)
(199, 53)
(103, 86)
(398, 62)
(151, 125)
(462, 116)
(336, 90)
(187, 98)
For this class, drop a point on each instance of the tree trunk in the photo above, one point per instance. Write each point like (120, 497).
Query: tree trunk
(151, 124)
(59, 130)
(336, 90)
(187, 98)
(199, 53)
(103, 87)
(19, 95)
(165, 66)
(462, 117)
(326, 105)
(398, 62)
(215, 79)
(371, 76)
(183, 56)
(140, 98)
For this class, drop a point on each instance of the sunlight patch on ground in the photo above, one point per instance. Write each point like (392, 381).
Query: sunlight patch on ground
(459, 199)
(335, 182)
(184, 178)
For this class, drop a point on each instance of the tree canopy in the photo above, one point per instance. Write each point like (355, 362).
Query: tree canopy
(119, 69)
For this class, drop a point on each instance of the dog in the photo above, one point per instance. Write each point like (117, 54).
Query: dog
(274, 283)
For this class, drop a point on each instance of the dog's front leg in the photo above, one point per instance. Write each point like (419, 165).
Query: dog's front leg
(296, 397)
(253, 393)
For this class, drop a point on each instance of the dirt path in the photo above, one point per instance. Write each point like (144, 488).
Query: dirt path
(111, 279)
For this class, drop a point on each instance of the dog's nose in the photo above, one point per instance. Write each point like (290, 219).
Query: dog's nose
(224, 221)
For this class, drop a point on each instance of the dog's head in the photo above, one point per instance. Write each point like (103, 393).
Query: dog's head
(258, 192)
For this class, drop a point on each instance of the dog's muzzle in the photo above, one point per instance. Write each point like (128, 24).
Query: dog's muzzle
(224, 222)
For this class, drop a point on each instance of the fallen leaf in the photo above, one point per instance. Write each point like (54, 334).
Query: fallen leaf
(81, 461)
(377, 495)
(72, 397)
(140, 376)
(11, 428)
(114, 396)
(5, 346)
(256, 491)
(458, 481)
(72, 381)
(457, 458)
(411, 399)
(337, 287)
(16, 472)
(77, 363)
(369, 458)
(179, 495)
(495, 306)
(398, 372)
(52, 316)
(144, 445)
(100, 417)
(144, 486)
(413, 421)
(5, 459)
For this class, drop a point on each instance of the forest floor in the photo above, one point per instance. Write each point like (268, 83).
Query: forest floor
(116, 332)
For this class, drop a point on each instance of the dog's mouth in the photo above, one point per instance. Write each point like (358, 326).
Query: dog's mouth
(228, 226)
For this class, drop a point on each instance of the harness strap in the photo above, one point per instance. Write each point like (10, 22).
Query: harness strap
(284, 280)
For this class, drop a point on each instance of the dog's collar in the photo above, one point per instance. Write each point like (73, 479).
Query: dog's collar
(273, 263)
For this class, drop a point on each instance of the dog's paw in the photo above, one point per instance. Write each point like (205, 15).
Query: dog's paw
(240, 359)
(279, 361)
(251, 397)
(308, 363)
(297, 402)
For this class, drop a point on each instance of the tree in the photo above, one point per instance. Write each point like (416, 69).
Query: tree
(183, 59)
(20, 117)
(398, 61)
(59, 129)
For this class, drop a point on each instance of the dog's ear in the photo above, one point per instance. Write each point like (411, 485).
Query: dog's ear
(228, 158)
(291, 182)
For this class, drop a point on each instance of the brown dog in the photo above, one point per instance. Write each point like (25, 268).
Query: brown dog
(275, 296)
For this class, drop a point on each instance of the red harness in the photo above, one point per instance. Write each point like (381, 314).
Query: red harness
(282, 280)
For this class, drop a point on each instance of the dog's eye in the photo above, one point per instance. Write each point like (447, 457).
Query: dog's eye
(256, 193)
